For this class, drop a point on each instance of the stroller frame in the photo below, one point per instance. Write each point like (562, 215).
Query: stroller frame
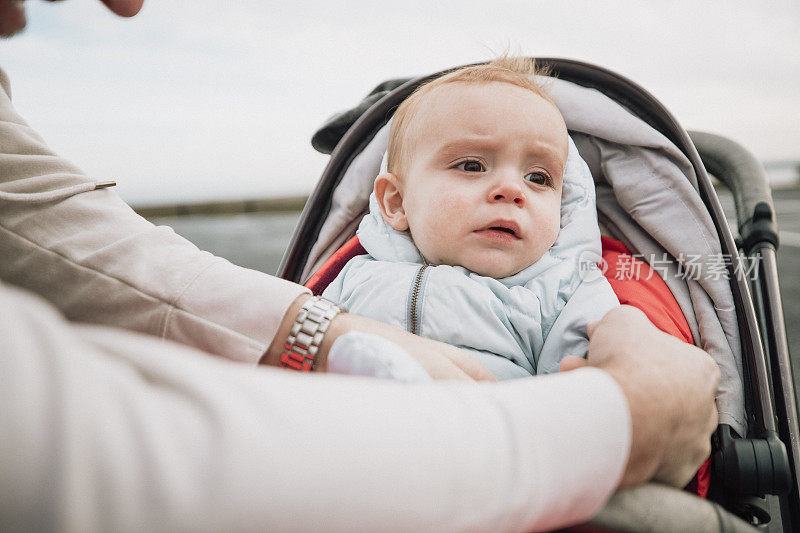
(746, 470)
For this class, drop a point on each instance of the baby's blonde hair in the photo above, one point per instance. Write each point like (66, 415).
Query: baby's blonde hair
(519, 71)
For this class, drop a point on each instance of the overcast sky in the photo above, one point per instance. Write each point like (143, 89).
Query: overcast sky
(205, 99)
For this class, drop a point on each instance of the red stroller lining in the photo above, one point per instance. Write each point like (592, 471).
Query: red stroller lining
(632, 280)
(335, 263)
(636, 284)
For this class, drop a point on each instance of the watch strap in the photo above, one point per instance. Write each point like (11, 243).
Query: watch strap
(305, 337)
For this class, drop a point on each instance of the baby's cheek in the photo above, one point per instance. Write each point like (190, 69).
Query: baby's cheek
(453, 207)
(552, 219)
(556, 226)
(453, 216)
(549, 224)
(439, 228)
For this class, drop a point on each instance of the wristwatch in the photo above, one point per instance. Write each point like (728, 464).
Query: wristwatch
(308, 330)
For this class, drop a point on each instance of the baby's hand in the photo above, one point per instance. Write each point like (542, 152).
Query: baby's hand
(363, 354)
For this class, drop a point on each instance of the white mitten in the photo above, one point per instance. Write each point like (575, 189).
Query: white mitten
(362, 354)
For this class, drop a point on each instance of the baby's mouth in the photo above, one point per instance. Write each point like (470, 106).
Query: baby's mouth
(507, 230)
(504, 229)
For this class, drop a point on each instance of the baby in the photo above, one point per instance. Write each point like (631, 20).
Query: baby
(481, 229)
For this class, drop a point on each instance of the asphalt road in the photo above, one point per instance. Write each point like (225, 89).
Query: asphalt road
(258, 240)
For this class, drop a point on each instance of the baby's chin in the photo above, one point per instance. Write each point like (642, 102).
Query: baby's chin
(495, 273)
(496, 270)
(488, 263)
(482, 269)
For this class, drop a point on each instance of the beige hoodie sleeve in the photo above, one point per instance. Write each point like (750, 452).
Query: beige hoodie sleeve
(106, 430)
(84, 250)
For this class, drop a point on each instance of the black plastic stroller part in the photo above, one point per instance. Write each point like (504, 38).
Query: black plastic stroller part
(327, 137)
(751, 466)
(760, 228)
(745, 176)
(765, 356)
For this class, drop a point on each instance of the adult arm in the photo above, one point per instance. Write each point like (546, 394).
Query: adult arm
(670, 386)
(97, 261)
(109, 430)
(86, 251)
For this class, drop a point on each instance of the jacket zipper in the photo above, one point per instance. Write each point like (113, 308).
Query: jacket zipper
(413, 316)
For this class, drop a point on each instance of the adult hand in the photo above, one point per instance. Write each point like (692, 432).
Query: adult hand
(124, 8)
(440, 360)
(13, 19)
(670, 387)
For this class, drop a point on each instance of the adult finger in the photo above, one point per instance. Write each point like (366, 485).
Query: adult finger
(469, 365)
(124, 8)
(442, 368)
(572, 362)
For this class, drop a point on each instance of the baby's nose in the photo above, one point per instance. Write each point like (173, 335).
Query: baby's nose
(508, 191)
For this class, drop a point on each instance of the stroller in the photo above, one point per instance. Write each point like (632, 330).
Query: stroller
(730, 296)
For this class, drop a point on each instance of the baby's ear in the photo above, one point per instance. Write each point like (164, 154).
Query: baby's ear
(390, 198)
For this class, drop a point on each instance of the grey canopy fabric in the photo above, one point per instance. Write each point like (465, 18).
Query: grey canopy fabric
(646, 196)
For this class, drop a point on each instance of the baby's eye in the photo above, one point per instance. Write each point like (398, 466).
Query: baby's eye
(539, 178)
(471, 166)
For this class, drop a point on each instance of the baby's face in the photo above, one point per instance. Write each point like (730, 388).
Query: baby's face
(482, 188)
